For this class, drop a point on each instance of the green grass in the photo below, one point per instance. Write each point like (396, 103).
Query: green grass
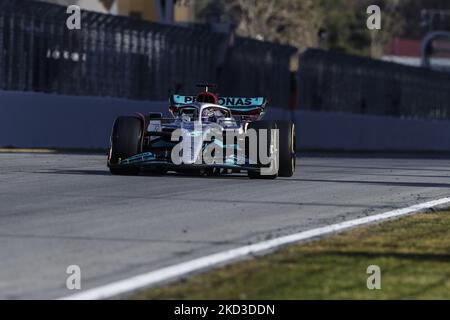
(413, 254)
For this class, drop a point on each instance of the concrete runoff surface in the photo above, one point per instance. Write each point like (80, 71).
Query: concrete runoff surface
(58, 210)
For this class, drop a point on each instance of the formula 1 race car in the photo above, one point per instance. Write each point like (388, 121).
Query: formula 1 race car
(207, 135)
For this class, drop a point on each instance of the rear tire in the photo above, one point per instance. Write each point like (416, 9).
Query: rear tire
(126, 141)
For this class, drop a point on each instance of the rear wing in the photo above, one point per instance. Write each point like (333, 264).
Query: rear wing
(254, 108)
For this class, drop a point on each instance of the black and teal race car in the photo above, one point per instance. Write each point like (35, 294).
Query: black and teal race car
(207, 135)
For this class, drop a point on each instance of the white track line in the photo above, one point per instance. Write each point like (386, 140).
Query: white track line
(145, 280)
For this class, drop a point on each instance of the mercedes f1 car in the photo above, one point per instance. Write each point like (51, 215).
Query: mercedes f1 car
(207, 135)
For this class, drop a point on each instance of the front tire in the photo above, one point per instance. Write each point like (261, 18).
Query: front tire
(287, 149)
(257, 126)
(126, 141)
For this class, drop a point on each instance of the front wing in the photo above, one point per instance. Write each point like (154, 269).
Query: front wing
(162, 160)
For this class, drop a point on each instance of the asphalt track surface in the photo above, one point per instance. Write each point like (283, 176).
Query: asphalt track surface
(58, 210)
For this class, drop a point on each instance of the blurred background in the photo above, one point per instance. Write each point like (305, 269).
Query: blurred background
(304, 55)
(336, 25)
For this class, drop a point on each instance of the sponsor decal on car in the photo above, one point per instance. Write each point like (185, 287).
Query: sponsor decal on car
(223, 101)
